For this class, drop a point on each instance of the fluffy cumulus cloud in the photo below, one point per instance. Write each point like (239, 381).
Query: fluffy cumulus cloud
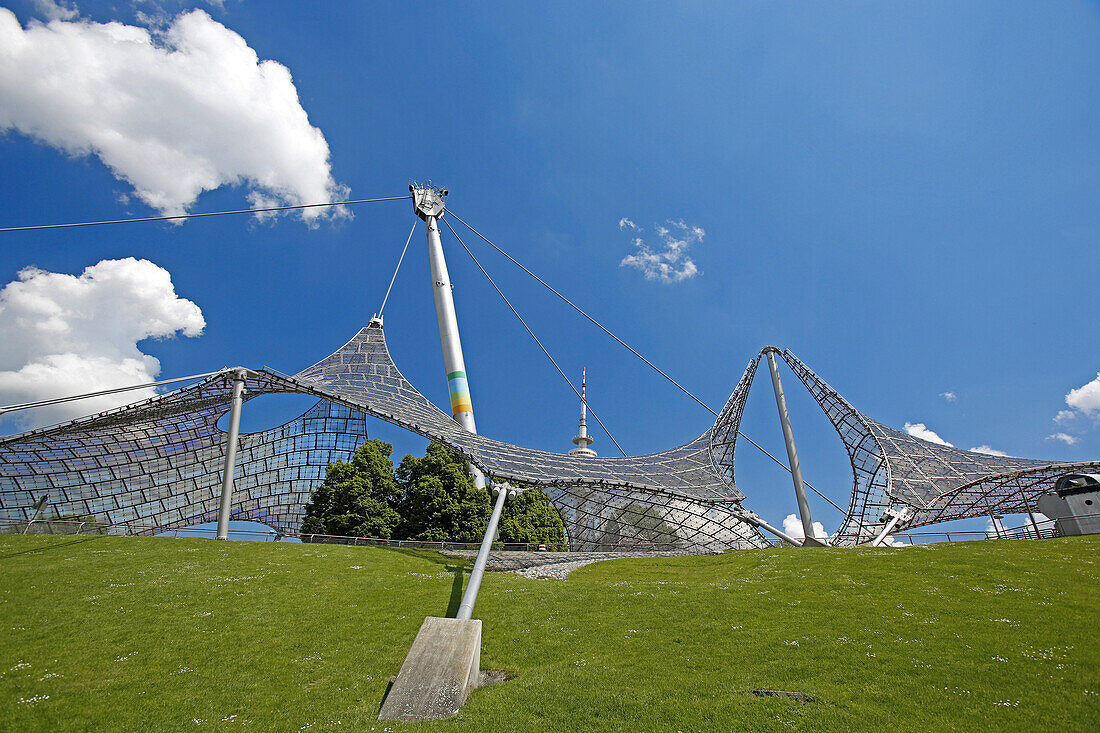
(1084, 410)
(792, 525)
(1065, 416)
(668, 262)
(57, 10)
(1042, 522)
(1086, 398)
(989, 451)
(949, 396)
(1011, 525)
(173, 111)
(922, 431)
(67, 335)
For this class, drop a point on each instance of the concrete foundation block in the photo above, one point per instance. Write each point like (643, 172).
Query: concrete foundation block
(438, 673)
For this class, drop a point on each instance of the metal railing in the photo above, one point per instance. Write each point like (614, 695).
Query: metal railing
(1044, 530)
(92, 527)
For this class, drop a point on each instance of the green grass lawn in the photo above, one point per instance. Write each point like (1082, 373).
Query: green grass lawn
(131, 633)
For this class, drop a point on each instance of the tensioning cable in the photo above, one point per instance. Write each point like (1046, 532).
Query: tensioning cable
(399, 261)
(73, 398)
(629, 348)
(175, 217)
(533, 336)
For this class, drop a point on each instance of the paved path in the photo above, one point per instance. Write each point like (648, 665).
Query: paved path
(557, 565)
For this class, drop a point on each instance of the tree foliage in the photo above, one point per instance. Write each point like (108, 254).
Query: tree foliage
(428, 498)
(357, 499)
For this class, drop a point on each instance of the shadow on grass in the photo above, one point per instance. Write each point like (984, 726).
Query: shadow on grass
(46, 548)
(456, 590)
(455, 565)
(389, 686)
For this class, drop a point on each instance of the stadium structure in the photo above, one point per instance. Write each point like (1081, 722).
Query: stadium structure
(165, 463)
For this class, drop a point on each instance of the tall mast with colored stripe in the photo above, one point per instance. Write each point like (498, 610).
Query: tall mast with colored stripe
(428, 202)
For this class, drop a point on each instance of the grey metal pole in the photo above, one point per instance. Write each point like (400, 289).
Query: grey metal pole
(466, 608)
(886, 530)
(755, 520)
(428, 203)
(1030, 514)
(230, 455)
(792, 454)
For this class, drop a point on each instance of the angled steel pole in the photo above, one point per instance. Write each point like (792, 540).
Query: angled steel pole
(230, 454)
(1030, 514)
(469, 598)
(895, 517)
(754, 519)
(428, 203)
(792, 454)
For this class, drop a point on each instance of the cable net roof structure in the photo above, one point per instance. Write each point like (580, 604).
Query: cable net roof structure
(935, 483)
(362, 373)
(687, 484)
(158, 463)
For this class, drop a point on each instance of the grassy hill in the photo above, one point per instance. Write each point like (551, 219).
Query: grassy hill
(190, 634)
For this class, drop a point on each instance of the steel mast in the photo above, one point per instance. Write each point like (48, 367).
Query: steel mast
(429, 206)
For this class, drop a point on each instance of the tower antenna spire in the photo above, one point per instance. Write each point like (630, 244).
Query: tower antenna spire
(582, 440)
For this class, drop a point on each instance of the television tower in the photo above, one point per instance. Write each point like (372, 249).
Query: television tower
(582, 440)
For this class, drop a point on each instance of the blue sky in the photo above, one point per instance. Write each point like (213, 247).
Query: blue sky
(903, 194)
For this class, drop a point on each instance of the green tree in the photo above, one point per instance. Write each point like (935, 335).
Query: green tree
(431, 498)
(440, 501)
(357, 499)
(531, 518)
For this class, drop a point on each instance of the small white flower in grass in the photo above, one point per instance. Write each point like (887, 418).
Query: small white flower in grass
(356, 567)
(36, 698)
(792, 642)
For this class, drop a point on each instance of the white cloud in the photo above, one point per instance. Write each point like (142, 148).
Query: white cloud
(1041, 522)
(1065, 438)
(988, 451)
(891, 541)
(792, 525)
(1065, 416)
(1010, 525)
(173, 112)
(68, 335)
(57, 11)
(922, 431)
(949, 396)
(1086, 398)
(670, 264)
